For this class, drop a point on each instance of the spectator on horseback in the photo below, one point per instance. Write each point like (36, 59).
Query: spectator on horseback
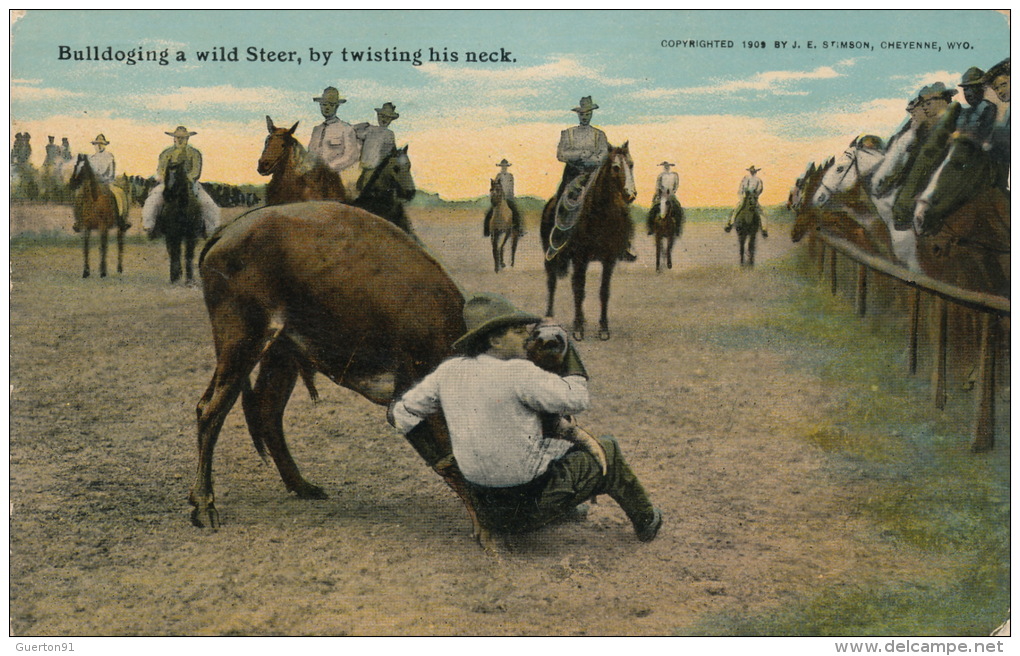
(750, 189)
(506, 182)
(997, 79)
(105, 168)
(494, 400)
(582, 149)
(666, 185)
(377, 141)
(180, 153)
(334, 142)
(978, 119)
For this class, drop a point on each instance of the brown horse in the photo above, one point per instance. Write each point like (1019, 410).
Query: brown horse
(320, 286)
(666, 229)
(296, 176)
(963, 224)
(95, 208)
(499, 226)
(602, 232)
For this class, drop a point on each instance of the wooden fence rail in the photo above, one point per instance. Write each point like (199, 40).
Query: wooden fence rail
(991, 308)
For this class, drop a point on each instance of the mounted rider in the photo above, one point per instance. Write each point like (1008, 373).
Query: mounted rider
(582, 149)
(750, 189)
(180, 153)
(997, 79)
(377, 141)
(505, 179)
(665, 195)
(333, 141)
(105, 168)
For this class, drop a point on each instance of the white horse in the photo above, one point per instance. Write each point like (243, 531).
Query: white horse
(865, 163)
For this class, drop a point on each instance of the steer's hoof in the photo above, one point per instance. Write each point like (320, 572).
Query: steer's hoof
(210, 514)
(309, 491)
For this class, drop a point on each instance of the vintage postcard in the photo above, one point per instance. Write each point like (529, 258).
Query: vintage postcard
(511, 323)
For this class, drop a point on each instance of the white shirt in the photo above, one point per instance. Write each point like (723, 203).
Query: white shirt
(335, 143)
(750, 184)
(582, 145)
(377, 143)
(492, 409)
(506, 181)
(103, 166)
(667, 183)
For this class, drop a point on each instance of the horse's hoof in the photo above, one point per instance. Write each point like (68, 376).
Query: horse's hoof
(85, 274)
(211, 515)
(604, 334)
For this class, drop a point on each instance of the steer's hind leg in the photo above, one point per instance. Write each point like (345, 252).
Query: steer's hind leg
(263, 410)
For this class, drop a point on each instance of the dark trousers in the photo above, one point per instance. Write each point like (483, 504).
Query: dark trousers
(569, 481)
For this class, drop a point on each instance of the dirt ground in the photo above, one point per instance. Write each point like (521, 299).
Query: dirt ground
(106, 374)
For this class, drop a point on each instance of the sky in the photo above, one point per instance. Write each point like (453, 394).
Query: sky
(713, 107)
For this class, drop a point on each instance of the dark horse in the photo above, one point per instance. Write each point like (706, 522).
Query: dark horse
(666, 229)
(95, 208)
(179, 221)
(747, 221)
(296, 176)
(602, 231)
(962, 221)
(388, 188)
(326, 287)
(499, 225)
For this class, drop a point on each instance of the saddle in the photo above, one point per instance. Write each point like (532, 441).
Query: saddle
(568, 209)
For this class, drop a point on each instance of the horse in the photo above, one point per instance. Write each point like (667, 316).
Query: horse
(95, 208)
(320, 287)
(747, 221)
(602, 231)
(179, 220)
(388, 188)
(296, 176)
(857, 215)
(962, 222)
(499, 226)
(666, 229)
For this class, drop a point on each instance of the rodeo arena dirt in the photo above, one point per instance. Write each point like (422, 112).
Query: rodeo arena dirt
(809, 485)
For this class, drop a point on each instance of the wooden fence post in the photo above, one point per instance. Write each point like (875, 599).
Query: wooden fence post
(938, 372)
(984, 427)
(915, 314)
(862, 290)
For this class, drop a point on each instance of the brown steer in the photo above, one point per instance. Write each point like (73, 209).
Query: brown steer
(320, 286)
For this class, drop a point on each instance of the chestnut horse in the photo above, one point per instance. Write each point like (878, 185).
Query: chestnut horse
(95, 208)
(499, 226)
(962, 222)
(666, 229)
(320, 287)
(296, 176)
(602, 232)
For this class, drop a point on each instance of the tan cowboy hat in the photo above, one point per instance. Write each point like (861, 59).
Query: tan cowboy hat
(937, 90)
(101, 139)
(330, 94)
(972, 78)
(486, 312)
(181, 131)
(753, 169)
(586, 105)
(388, 110)
(504, 163)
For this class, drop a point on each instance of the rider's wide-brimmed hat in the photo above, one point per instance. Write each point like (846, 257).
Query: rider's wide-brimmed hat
(181, 131)
(1002, 68)
(753, 169)
(486, 312)
(101, 139)
(937, 90)
(388, 110)
(331, 95)
(973, 77)
(586, 105)
(871, 141)
(665, 163)
(504, 163)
